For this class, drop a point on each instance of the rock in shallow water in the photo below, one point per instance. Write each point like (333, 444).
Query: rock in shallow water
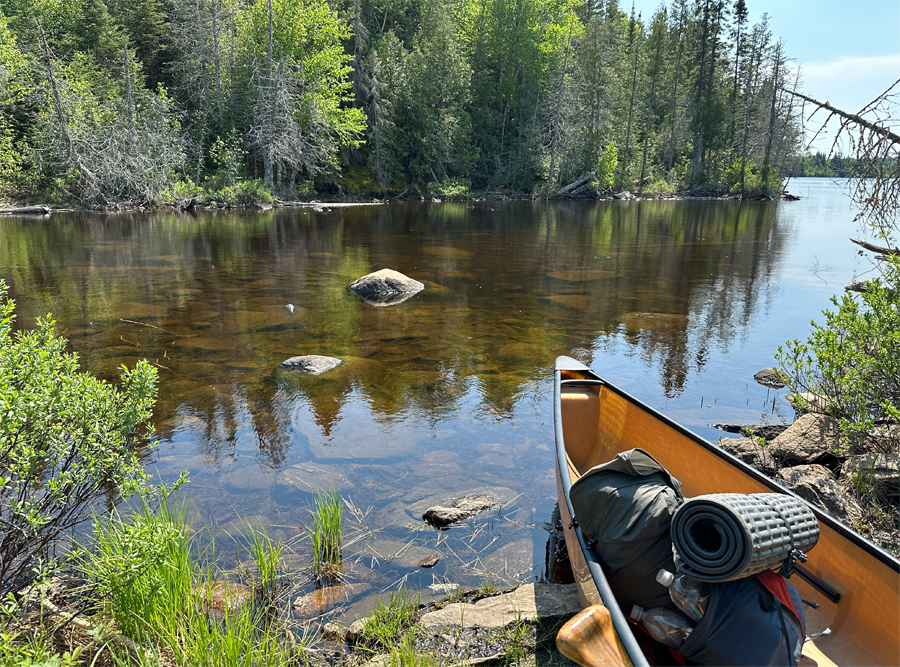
(312, 364)
(768, 377)
(386, 281)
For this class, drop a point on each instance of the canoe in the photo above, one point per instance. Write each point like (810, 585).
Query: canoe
(594, 421)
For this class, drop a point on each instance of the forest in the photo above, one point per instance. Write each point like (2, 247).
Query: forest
(146, 101)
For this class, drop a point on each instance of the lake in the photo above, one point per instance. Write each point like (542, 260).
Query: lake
(446, 394)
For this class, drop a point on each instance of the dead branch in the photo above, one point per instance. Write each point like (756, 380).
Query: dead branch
(876, 248)
(859, 120)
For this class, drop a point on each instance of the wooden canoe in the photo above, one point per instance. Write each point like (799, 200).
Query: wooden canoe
(594, 421)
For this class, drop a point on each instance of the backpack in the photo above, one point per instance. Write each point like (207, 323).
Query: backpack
(626, 506)
(755, 621)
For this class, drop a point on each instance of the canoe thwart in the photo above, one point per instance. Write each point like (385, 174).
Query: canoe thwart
(589, 639)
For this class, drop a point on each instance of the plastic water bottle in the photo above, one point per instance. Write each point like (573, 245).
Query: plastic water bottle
(664, 625)
(688, 593)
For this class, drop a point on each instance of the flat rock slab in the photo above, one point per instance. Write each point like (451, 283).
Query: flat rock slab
(303, 480)
(313, 364)
(530, 603)
(404, 554)
(386, 281)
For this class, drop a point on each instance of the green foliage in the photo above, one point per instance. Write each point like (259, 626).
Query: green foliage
(450, 188)
(853, 360)
(753, 185)
(151, 585)
(606, 166)
(241, 193)
(69, 442)
(325, 533)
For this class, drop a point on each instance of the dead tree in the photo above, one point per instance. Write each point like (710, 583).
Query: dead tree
(877, 151)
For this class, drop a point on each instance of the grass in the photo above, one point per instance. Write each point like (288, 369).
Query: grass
(325, 534)
(386, 625)
(150, 585)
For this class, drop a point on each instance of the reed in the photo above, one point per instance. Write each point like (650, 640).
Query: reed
(266, 555)
(325, 534)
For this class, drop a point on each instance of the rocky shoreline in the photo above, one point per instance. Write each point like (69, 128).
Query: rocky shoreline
(858, 484)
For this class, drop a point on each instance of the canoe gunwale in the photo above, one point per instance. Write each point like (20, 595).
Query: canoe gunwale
(846, 532)
(620, 624)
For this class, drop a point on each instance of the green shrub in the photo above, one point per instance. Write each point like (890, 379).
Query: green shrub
(853, 360)
(606, 166)
(243, 192)
(450, 187)
(68, 441)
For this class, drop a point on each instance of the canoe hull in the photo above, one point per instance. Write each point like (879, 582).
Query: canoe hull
(595, 421)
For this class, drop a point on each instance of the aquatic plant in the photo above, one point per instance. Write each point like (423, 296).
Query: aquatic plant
(325, 533)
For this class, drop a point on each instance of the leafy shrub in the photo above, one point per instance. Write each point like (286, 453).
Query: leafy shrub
(243, 192)
(606, 166)
(753, 181)
(68, 441)
(853, 360)
(450, 187)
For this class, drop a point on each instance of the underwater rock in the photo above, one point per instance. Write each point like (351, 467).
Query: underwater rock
(313, 364)
(386, 281)
(429, 561)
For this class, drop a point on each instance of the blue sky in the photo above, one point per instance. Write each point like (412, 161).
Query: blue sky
(848, 50)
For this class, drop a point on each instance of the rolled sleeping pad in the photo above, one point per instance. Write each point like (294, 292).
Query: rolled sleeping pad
(725, 536)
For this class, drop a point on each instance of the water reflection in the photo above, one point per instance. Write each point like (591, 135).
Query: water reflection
(442, 394)
(508, 288)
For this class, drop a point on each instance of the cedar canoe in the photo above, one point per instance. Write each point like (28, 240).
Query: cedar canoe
(594, 421)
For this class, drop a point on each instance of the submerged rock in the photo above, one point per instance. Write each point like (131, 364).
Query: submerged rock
(429, 561)
(313, 364)
(768, 377)
(386, 281)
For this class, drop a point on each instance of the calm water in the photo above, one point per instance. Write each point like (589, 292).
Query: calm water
(447, 393)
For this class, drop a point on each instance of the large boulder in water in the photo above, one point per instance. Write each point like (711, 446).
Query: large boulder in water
(386, 281)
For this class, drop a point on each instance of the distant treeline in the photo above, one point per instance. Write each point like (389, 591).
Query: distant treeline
(111, 100)
(838, 166)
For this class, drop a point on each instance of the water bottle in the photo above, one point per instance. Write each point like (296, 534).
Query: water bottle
(688, 593)
(664, 625)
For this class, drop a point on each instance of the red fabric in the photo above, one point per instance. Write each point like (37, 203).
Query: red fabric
(775, 584)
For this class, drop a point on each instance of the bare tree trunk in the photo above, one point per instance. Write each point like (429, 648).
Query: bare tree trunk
(71, 152)
(268, 157)
(129, 105)
(650, 103)
(627, 156)
(216, 59)
(775, 88)
(554, 141)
